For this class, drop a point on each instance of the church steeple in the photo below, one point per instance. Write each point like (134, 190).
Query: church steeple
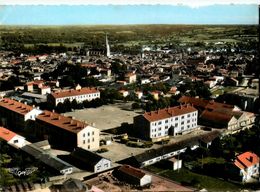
(107, 47)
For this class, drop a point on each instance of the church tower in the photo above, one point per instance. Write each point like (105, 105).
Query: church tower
(108, 48)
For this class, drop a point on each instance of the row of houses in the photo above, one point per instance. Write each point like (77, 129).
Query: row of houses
(220, 115)
(62, 132)
(78, 159)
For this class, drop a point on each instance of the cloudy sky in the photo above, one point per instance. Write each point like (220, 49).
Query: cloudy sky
(179, 12)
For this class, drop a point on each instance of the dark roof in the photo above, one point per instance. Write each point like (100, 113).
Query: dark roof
(74, 185)
(42, 143)
(86, 156)
(210, 137)
(153, 153)
(41, 155)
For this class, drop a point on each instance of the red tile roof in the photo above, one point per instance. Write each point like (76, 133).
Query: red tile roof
(6, 134)
(192, 100)
(216, 116)
(73, 92)
(168, 112)
(129, 170)
(246, 160)
(15, 106)
(61, 121)
(205, 104)
(36, 82)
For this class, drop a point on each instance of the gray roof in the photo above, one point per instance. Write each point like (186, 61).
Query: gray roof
(44, 157)
(41, 143)
(86, 156)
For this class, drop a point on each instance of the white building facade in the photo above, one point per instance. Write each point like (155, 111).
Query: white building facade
(79, 95)
(160, 124)
(88, 138)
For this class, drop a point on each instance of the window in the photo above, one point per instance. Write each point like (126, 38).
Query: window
(88, 134)
(93, 139)
(166, 127)
(182, 117)
(159, 123)
(88, 146)
(93, 132)
(166, 121)
(188, 121)
(88, 140)
(182, 122)
(84, 142)
(84, 134)
(182, 128)
(188, 115)
(188, 126)
(176, 118)
(16, 141)
(160, 129)
(176, 125)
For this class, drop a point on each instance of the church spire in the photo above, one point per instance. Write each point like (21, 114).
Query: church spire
(107, 47)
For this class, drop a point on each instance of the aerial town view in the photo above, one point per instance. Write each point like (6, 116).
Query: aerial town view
(117, 98)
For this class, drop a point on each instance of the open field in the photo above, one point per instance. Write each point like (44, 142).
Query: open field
(107, 116)
(195, 179)
(127, 34)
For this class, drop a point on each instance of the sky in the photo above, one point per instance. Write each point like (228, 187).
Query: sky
(128, 14)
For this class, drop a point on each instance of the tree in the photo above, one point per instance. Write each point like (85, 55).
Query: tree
(74, 104)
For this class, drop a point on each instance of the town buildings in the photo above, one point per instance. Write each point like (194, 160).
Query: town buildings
(37, 86)
(247, 165)
(79, 94)
(90, 161)
(65, 132)
(133, 176)
(15, 115)
(130, 77)
(157, 125)
(12, 138)
(220, 115)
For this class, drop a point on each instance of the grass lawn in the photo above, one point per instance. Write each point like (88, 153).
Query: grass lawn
(185, 176)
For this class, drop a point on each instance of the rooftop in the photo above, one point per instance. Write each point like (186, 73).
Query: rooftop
(168, 112)
(246, 160)
(129, 170)
(15, 106)
(73, 92)
(61, 121)
(6, 134)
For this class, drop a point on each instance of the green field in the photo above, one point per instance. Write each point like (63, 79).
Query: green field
(186, 177)
(128, 34)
